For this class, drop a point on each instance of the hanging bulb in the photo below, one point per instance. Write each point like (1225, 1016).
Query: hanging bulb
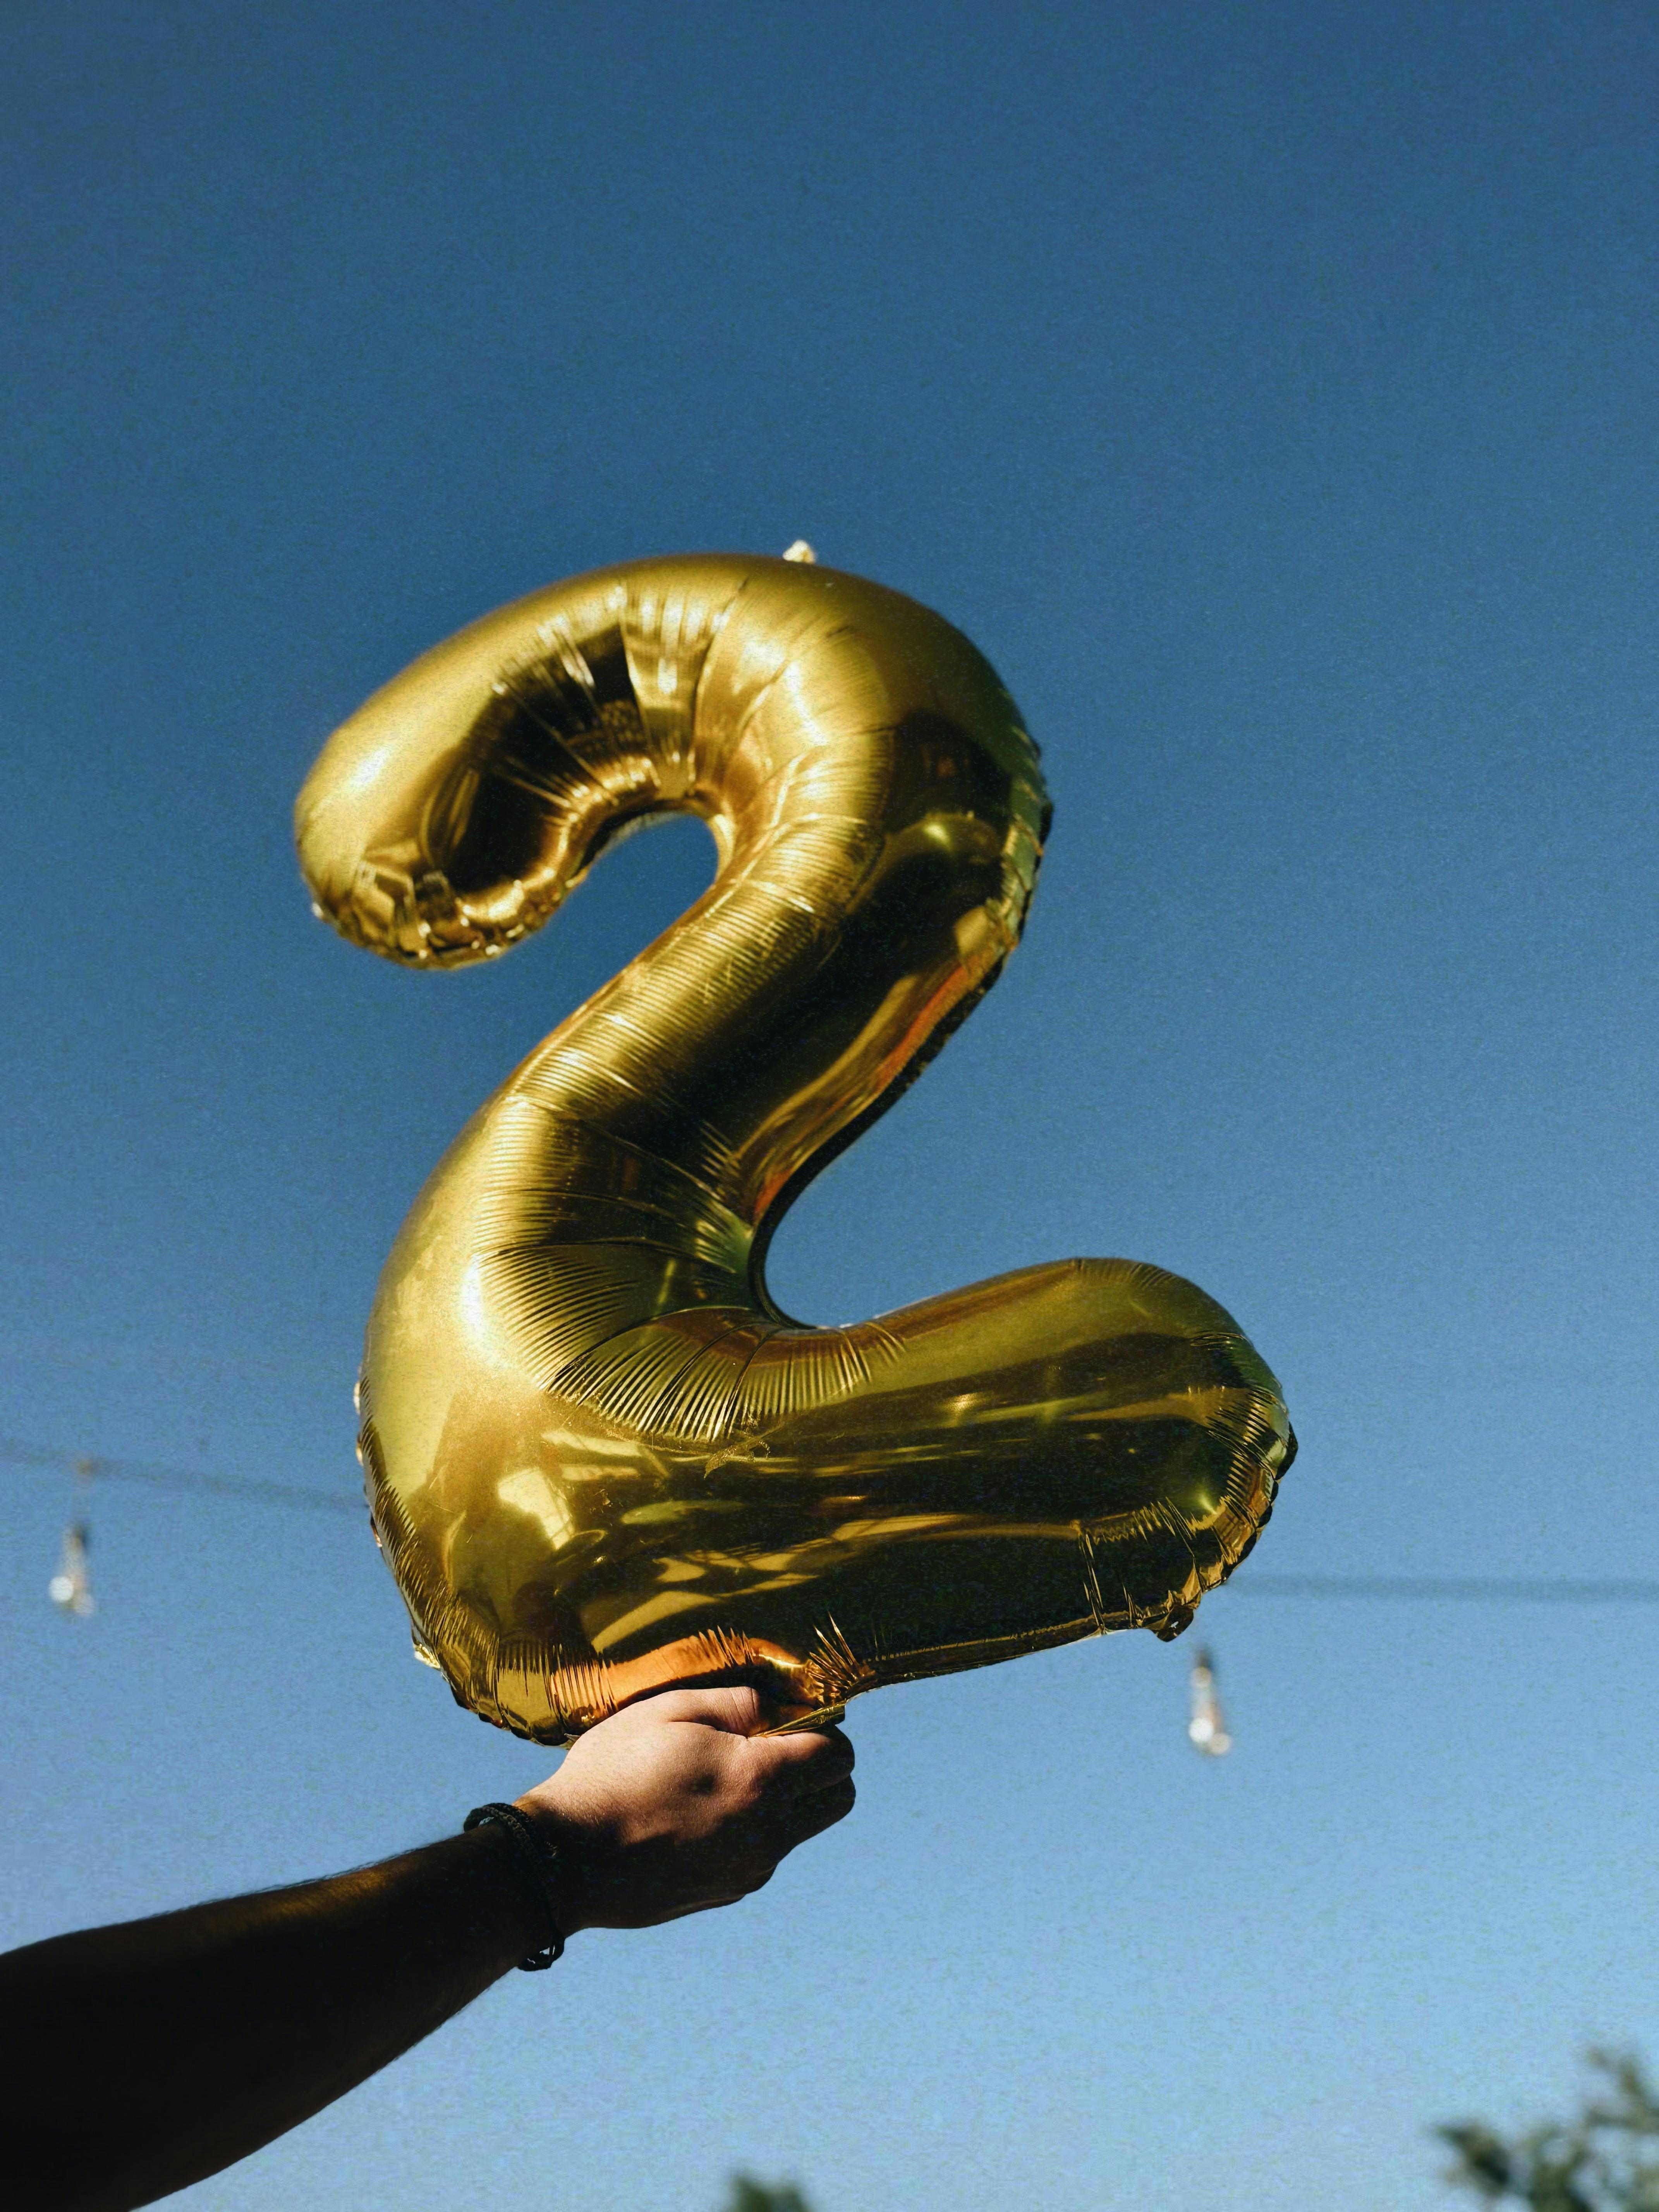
(1206, 1729)
(68, 1589)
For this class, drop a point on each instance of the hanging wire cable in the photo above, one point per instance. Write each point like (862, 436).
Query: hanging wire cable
(1474, 1590)
(1478, 1590)
(253, 1488)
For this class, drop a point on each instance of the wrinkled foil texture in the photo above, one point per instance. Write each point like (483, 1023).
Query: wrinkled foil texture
(598, 1459)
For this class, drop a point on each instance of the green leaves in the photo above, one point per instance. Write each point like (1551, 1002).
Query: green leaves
(749, 2195)
(1606, 2159)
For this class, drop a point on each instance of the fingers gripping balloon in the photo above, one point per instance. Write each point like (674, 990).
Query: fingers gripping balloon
(599, 1459)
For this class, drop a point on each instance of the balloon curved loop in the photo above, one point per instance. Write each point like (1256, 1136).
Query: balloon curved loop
(599, 1459)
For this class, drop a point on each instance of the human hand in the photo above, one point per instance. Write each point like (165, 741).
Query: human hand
(676, 1804)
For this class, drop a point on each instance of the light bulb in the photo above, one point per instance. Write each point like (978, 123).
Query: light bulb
(68, 1589)
(1205, 1729)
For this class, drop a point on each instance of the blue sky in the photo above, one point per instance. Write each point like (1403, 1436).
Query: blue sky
(1268, 390)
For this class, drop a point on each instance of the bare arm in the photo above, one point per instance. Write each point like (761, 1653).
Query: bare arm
(144, 2057)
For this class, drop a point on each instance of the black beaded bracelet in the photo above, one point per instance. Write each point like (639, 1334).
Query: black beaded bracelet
(539, 1855)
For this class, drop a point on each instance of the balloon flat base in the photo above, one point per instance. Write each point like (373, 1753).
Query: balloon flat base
(825, 1716)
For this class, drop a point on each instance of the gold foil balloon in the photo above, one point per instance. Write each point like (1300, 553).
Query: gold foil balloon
(599, 1459)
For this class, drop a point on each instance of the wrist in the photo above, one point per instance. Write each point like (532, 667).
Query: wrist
(514, 1903)
(565, 1845)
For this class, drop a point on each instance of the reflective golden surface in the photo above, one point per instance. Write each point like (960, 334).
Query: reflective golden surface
(599, 1459)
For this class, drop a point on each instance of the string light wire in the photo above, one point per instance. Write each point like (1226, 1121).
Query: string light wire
(253, 1488)
(1476, 1590)
(1469, 1590)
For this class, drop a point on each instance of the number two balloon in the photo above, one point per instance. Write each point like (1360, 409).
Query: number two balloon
(598, 1458)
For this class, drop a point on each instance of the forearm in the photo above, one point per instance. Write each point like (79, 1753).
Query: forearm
(140, 2059)
(143, 2056)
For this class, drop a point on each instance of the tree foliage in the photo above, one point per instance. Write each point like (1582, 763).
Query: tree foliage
(749, 2195)
(1606, 2159)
